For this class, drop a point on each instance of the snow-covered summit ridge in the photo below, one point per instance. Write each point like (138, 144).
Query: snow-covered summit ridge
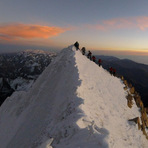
(74, 103)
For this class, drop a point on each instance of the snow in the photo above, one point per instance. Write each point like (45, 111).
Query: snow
(34, 51)
(21, 84)
(73, 104)
(37, 51)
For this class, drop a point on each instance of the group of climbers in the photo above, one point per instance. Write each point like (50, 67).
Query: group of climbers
(93, 58)
(89, 55)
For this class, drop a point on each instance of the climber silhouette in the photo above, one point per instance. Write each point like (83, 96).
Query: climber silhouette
(76, 44)
(83, 50)
(100, 62)
(89, 55)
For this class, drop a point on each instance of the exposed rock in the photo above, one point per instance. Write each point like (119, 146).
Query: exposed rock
(129, 100)
(137, 121)
(132, 90)
(138, 100)
(143, 130)
(125, 88)
(144, 117)
(125, 82)
(130, 85)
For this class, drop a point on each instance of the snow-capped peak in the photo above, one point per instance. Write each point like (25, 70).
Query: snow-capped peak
(73, 104)
(37, 51)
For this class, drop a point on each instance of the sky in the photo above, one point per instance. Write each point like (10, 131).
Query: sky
(114, 27)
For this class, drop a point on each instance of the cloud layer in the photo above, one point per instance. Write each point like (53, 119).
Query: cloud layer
(140, 23)
(28, 31)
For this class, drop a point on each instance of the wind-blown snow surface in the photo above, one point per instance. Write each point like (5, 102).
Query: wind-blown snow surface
(73, 104)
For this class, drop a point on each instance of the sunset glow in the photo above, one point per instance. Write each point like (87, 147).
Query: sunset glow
(109, 26)
(124, 23)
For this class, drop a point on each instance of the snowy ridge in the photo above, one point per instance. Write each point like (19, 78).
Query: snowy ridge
(73, 104)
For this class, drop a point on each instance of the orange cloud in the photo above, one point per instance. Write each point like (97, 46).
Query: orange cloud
(15, 31)
(140, 23)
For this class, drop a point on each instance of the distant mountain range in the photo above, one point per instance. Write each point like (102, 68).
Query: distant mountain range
(19, 70)
(134, 73)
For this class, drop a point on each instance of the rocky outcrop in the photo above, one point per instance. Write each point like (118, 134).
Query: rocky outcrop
(132, 95)
(5, 90)
(137, 121)
(129, 100)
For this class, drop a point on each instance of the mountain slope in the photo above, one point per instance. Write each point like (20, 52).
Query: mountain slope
(134, 73)
(19, 70)
(74, 103)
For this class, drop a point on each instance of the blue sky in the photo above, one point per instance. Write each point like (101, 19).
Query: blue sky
(113, 26)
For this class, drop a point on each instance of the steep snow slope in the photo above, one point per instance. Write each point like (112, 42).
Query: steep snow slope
(73, 104)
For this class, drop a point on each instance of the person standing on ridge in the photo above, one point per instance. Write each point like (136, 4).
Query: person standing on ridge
(111, 70)
(94, 58)
(100, 62)
(76, 44)
(83, 50)
(114, 71)
(89, 55)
